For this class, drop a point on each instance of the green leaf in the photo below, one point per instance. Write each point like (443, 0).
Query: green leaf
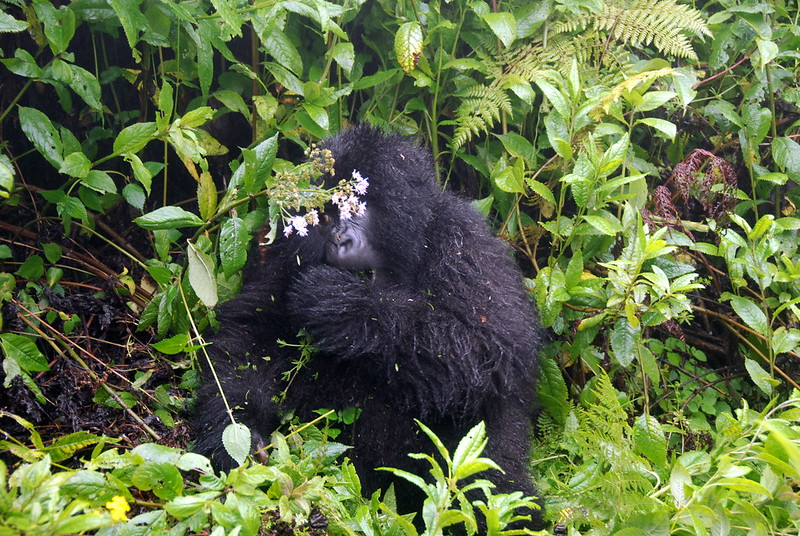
(760, 377)
(100, 181)
(233, 242)
(132, 20)
(608, 225)
(201, 275)
(86, 86)
(24, 352)
(134, 195)
(280, 47)
(786, 153)
(751, 313)
(76, 165)
(541, 190)
(552, 390)
(785, 340)
(10, 24)
(555, 97)
(52, 252)
(43, 134)
(678, 480)
(504, 26)
(517, 145)
(508, 181)
(237, 440)
(624, 340)
(168, 218)
(662, 125)
(650, 439)
(133, 138)
(345, 56)
(654, 99)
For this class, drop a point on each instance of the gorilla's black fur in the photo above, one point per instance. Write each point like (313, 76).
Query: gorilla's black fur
(450, 340)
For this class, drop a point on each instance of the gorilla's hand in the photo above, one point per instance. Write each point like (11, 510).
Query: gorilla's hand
(346, 315)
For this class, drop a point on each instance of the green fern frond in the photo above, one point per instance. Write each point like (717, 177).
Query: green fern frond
(480, 109)
(665, 24)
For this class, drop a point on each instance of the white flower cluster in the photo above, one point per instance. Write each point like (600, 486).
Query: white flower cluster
(345, 197)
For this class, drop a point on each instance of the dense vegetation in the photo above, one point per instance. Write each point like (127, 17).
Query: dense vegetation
(641, 156)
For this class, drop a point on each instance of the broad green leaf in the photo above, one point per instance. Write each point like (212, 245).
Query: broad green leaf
(552, 390)
(654, 99)
(169, 217)
(785, 340)
(201, 275)
(233, 242)
(555, 97)
(517, 145)
(541, 190)
(76, 165)
(760, 377)
(661, 125)
(786, 153)
(678, 480)
(43, 134)
(650, 439)
(280, 47)
(751, 313)
(237, 440)
(767, 50)
(10, 24)
(24, 351)
(100, 181)
(504, 26)
(345, 56)
(231, 19)
(134, 195)
(624, 340)
(608, 225)
(133, 138)
(508, 181)
(132, 21)
(86, 86)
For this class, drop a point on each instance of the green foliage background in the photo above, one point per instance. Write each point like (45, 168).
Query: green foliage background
(640, 156)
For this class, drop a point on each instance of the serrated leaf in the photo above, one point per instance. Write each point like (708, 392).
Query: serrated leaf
(760, 377)
(237, 440)
(661, 125)
(99, 181)
(654, 99)
(508, 181)
(752, 315)
(552, 390)
(281, 48)
(24, 351)
(133, 138)
(541, 190)
(75, 165)
(168, 218)
(134, 195)
(624, 338)
(650, 440)
(10, 24)
(233, 242)
(86, 86)
(786, 153)
(43, 134)
(679, 478)
(609, 226)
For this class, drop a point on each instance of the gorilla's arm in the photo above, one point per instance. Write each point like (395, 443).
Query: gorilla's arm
(444, 348)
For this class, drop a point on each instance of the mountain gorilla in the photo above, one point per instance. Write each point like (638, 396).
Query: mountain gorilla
(441, 331)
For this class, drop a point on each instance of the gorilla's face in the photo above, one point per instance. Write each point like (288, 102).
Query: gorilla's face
(348, 243)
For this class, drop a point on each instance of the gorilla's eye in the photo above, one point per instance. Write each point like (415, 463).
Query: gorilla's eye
(325, 219)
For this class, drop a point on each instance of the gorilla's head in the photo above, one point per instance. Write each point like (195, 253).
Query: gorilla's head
(390, 236)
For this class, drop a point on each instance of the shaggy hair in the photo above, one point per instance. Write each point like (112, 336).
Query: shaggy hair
(452, 341)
